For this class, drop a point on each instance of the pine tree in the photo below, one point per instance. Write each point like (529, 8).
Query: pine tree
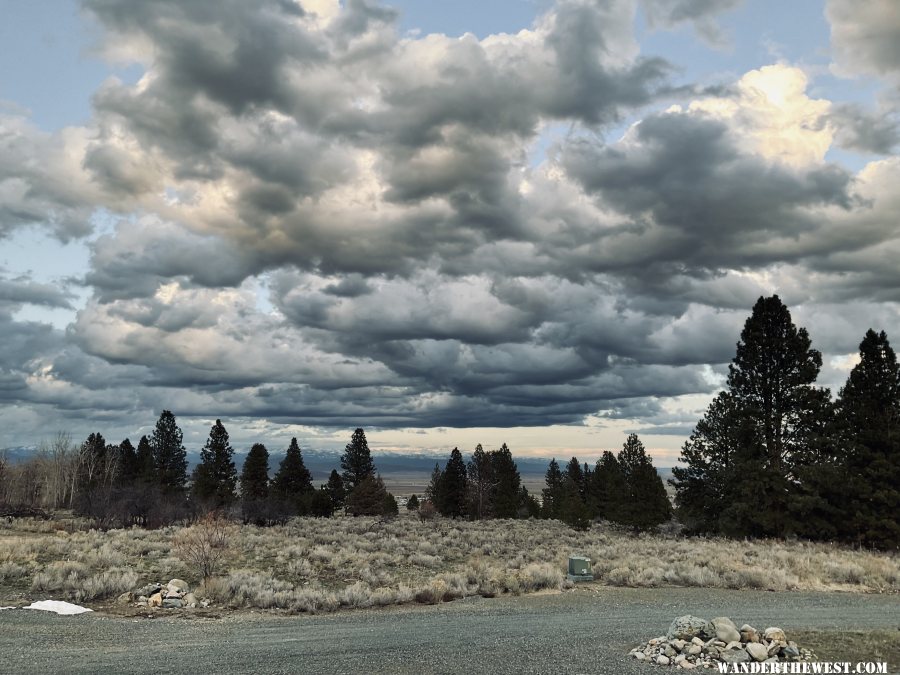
(608, 488)
(434, 492)
(255, 484)
(320, 504)
(481, 479)
(292, 485)
(574, 471)
(215, 477)
(356, 461)
(412, 504)
(505, 495)
(647, 503)
(146, 467)
(169, 455)
(335, 490)
(552, 494)
(453, 487)
(572, 509)
(774, 423)
(868, 433)
(370, 497)
(128, 464)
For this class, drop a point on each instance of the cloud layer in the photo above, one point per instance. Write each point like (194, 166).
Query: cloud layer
(321, 221)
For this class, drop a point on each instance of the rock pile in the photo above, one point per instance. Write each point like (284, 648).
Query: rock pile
(692, 642)
(174, 595)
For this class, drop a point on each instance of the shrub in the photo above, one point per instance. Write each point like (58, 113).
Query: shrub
(204, 545)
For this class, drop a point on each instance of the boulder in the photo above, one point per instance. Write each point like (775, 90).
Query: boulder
(125, 599)
(662, 660)
(178, 586)
(725, 629)
(749, 633)
(149, 589)
(190, 600)
(670, 651)
(697, 641)
(678, 644)
(735, 656)
(155, 600)
(775, 634)
(687, 665)
(639, 656)
(757, 651)
(687, 627)
(172, 603)
(694, 650)
(790, 652)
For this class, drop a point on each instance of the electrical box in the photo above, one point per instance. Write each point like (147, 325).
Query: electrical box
(580, 568)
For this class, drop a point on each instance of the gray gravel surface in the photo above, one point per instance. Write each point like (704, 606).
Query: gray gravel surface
(588, 630)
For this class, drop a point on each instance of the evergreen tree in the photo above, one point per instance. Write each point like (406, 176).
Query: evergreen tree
(356, 461)
(528, 505)
(255, 485)
(370, 497)
(608, 490)
(774, 415)
(412, 504)
(552, 494)
(292, 485)
(505, 495)
(434, 492)
(868, 433)
(321, 505)
(453, 492)
(128, 464)
(575, 473)
(336, 491)
(146, 467)
(391, 508)
(481, 483)
(215, 477)
(572, 509)
(647, 504)
(169, 455)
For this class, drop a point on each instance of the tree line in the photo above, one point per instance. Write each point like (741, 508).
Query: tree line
(624, 489)
(775, 456)
(120, 485)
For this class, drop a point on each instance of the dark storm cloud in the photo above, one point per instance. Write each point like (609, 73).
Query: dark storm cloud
(696, 200)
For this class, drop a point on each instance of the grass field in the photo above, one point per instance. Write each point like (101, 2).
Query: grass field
(324, 564)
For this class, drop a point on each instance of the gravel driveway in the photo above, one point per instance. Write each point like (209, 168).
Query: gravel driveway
(588, 630)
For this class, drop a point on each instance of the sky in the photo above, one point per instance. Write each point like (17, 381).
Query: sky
(523, 221)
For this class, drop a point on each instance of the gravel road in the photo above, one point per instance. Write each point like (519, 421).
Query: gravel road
(588, 630)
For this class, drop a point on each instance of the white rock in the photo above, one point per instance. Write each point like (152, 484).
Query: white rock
(662, 660)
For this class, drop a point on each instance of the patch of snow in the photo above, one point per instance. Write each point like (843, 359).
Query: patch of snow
(2, 608)
(58, 607)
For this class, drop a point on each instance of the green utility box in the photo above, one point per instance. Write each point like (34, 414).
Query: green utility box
(580, 568)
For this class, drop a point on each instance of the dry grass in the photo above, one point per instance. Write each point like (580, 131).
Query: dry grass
(314, 565)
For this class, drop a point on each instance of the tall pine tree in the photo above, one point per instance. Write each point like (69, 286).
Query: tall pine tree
(868, 434)
(607, 489)
(453, 486)
(255, 485)
(357, 461)
(771, 417)
(647, 504)
(553, 493)
(215, 477)
(169, 455)
(506, 495)
(292, 484)
(481, 479)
